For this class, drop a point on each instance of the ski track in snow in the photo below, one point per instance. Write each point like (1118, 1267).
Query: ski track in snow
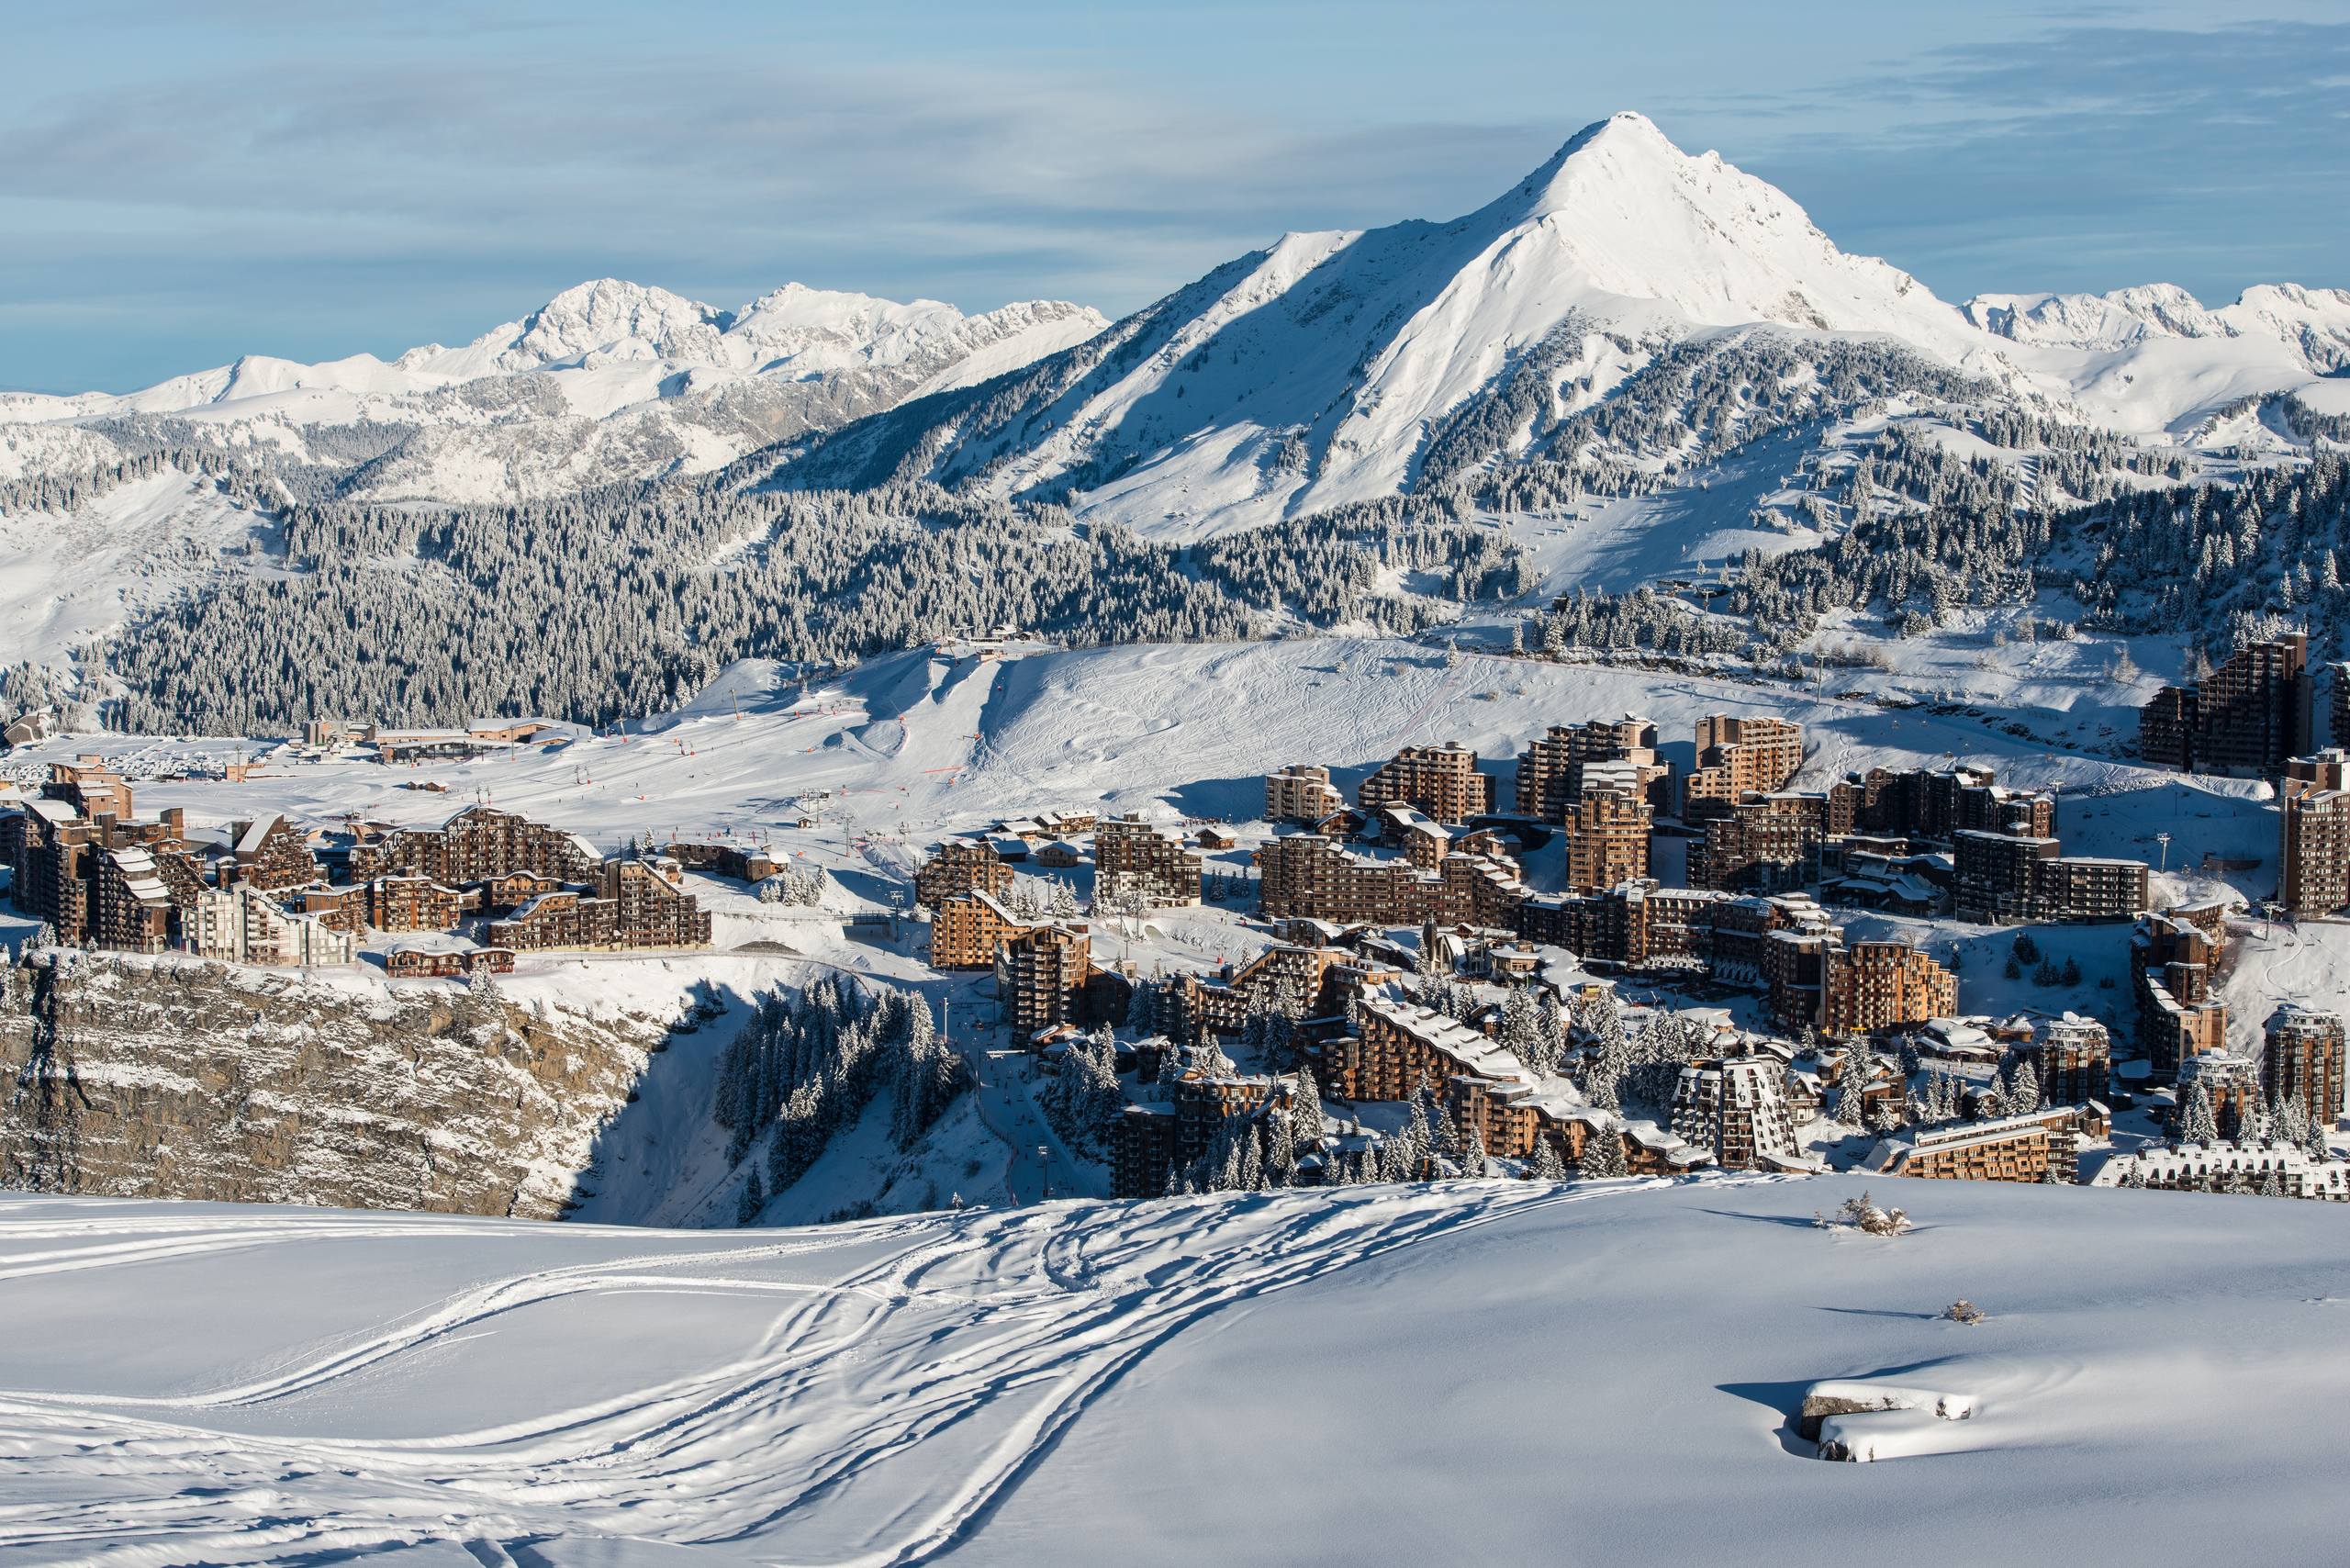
(875, 1420)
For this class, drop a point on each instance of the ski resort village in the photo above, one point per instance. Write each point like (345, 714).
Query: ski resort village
(1465, 892)
(1610, 954)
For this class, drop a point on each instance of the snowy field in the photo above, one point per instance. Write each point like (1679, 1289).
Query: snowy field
(1508, 1373)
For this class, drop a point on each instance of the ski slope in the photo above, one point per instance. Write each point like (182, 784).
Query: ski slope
(1494, 1372)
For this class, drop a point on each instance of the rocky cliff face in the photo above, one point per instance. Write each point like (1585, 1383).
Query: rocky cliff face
(175, 1078)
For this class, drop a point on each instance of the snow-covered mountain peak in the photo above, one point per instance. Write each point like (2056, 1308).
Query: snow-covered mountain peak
(1634, 216)
(1622, 141)
(621, 320)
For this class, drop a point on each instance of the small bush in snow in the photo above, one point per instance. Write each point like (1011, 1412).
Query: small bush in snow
(1861, 1214)
(1963, 1311)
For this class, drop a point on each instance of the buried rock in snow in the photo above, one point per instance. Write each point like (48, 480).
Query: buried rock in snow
(1857, 1422)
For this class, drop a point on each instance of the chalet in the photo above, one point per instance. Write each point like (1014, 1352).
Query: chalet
(434, 963)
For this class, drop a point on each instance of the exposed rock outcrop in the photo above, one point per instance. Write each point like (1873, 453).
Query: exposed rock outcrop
(170, 1077)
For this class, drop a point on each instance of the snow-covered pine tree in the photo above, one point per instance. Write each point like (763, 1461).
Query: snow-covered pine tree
(1603, 1152)
(2023, 1090)
(1853, 1080)
(2196, 1124)
(1545, 1164)
(1609, 1055)
(1304, 1113)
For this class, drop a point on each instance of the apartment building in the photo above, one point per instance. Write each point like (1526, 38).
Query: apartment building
(91, 790)
(2248, 717)
(2313, 832)
(2088, 888)
(2301, 1058)
(1762, 843)
(1868, 986)
(1738, 756)
(1397, 1045)
(339, 906)
(1441, 780)
(1040, 975)
(1156, 1139)
(1477, 889)
(1305, 982)
(1993, 880)
(746, 863)
(416, 904)
(1743, 950)
(630, 905)
(476, 844)
(1792, 963)
(2172, 957)
(2227, 1167)
(1607, 833)
(243, 924)
(1311, 876)
(1936, 804)
(1301, 793)
(1737, 1107)
(440, 963)
(1635, 924)
(58, 850)
(1551, 771)
(1131, 855)
(966, 931)
(270, 853)
(2230, 1081)
(130, 909)
(2013, 1148)
(1424, 841)
(1485, 1091)
(959, 867)
(2073, 1058)
(2003, 878)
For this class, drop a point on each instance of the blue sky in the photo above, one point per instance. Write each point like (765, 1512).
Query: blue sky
(182, 184)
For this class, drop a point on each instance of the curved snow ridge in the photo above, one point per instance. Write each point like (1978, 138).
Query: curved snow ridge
(880, 1386)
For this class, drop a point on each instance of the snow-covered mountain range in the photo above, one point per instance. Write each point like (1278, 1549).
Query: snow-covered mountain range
(2314, 322)
(608, 380)
(1320, 370)
(1618, 325)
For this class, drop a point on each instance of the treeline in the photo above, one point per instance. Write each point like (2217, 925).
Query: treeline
(620, 602)
(54, 492)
